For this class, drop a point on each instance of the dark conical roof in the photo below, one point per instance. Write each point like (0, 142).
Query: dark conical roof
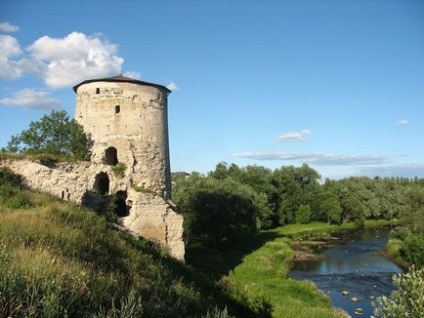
(120, 78)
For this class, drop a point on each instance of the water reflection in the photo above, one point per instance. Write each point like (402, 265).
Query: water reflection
(355, 266)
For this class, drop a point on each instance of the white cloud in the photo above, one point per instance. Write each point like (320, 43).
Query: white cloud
(403, 122)
(316, 158)
(10, 58)
(74, 58)
(133, 75)
(60, 62)
(172, 86)
(7, 27)
(32, 99)
(294, 136)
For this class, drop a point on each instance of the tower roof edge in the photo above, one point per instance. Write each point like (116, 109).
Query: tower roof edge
(120, 79)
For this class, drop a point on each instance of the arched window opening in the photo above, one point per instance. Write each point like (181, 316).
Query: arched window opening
(101, 183)
(97, 90)
(121, 209)
(111, 156)
(117, 109)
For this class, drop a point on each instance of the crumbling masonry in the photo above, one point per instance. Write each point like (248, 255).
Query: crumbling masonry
(127, 123)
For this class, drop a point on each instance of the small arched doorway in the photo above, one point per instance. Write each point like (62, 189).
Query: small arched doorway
(111, 156)
(101, 183)
(121, 208)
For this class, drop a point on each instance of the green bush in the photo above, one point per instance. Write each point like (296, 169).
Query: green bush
(8, 177)
(119, 169)
(407, 300)
(413, 249)
(12, 194)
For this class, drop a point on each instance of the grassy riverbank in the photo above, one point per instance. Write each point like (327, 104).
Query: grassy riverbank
(262, 272)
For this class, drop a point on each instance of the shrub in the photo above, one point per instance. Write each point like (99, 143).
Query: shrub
(407, 300)
(119, 169)
(8, 177)
(11, 193)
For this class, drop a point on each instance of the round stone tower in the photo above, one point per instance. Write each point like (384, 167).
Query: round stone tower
(126, 120)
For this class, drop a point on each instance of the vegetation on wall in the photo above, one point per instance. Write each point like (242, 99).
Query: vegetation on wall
(119, 169)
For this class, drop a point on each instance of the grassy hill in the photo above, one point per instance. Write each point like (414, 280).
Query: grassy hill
(60, 260)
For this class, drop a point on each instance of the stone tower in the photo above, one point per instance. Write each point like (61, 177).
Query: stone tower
(126, 120)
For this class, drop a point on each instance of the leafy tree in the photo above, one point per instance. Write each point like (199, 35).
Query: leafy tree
(303, 214)
(407, 300)
(256, 177)
(331, 208)
(218, 211)
(295, 186)
(414, 213)
(53, 134)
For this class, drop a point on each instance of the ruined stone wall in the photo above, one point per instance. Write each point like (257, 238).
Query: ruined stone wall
(131, 118)
(149, 215)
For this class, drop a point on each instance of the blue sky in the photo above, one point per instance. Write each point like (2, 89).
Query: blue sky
(338, 85)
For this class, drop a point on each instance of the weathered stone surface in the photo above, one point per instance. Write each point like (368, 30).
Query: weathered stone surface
(150, 216)
(131, 118)
(127, 123)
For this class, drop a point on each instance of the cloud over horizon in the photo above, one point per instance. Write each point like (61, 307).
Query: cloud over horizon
(316, 158)
(294, 136)
(405, 170)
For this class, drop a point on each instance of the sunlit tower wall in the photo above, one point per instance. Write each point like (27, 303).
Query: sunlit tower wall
(127, 122)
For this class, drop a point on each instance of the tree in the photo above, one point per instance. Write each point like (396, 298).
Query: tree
(295, 186)
(407, 300)
(54, 134)
(303, 214)
(331, 208)
(218, 211)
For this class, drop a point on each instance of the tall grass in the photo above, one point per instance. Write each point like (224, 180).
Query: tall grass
(59, 260)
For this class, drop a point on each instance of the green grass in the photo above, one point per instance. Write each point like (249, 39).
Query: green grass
(260, 271)
(393, 251)
(58, 260)
(263, 275)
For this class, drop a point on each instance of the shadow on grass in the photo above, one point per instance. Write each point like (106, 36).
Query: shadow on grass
(216, 262)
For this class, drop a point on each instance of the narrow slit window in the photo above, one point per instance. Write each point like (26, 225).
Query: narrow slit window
(97, 90)
(117, 109)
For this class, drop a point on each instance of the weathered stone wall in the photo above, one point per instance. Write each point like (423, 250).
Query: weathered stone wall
(150, 215)
(131, 118)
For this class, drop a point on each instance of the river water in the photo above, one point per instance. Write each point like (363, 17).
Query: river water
(353, 265)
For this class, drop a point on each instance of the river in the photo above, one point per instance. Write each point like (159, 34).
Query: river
(351, 265)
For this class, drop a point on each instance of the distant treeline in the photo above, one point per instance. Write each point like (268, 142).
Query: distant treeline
(221, 207)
